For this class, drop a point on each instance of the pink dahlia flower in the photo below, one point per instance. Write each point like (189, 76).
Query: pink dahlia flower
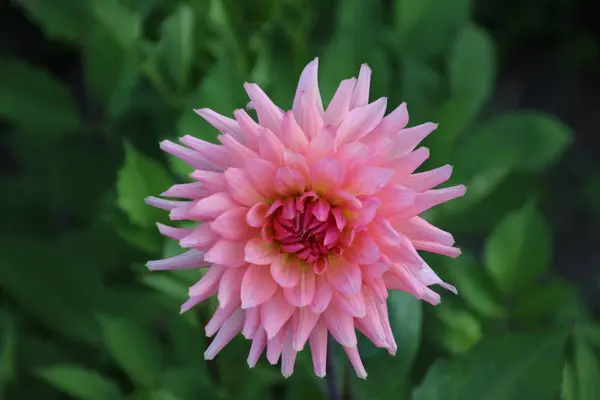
(306, 220)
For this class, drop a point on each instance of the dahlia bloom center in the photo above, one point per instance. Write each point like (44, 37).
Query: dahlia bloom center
(309, 228)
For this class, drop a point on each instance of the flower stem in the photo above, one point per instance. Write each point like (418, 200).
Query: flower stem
(331, 378)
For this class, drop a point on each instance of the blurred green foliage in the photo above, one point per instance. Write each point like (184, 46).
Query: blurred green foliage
(82, 319)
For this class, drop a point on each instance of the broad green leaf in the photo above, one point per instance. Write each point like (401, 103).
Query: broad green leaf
(187, 343)
(555, 301)
(122, 23)
(166, 285)
(388, 375)
(80, 383)
(8, 349)
(61, 19)
(176, 46)
(591, 332)
(500, 367)
(229, 46)
(408, 13)
(471, 68)
(136, 350)
(518, 251)
(474, 286)
(420, 89)
(569, 382)
(139, 177)
(432, 27)
(110, 71)
(188, 383)
(462, 330)
(587, 366)
(36, 101)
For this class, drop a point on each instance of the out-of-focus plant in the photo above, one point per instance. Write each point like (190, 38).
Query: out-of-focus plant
(79, 314)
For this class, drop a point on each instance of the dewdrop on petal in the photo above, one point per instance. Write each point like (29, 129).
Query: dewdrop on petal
(306, 219)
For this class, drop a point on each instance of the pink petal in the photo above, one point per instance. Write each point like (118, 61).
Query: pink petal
(432, 198)
(424, 181)
(321, 146)
(257, 286)
(209, 281)
(222, 123)
(260, 252)
(190, 259)
(351, 304)
(256, 216)
(408, 139)
(327, 174)
(275, 313)
(341, 326)
(226, 253)
(292, 135)
(192, 190)
(393, 122)
(308, 87)
(361, 121)
(437, 248)
(213, 181)
(303, 323)
(323, 294)
(344, 275)
(231, 224)
(288, 357)
(227, 332)
(303, 293)
(239, 154)
(321, 210)
(353, 155)
(406, 165)
(417, 228)
(201, 237)
(289, 181)
(367, 213)
(296, 161)
(214, 153)
(167, 205)
(371, 321)
(269, 115)
(310, 117)
(340, 103)
(270, 147)
(240, 187)
(275, 346)
(251, 323)
(192, 302)
(229, 287)
(258, 346)
(394, 199)
(364, 250)
(360, 95)
(220, 316)
(368, 180)
(189, 156)
(318, 349)
(171, 232)
(286, 271)
(352, 353)
(249, 128)
(212, 206)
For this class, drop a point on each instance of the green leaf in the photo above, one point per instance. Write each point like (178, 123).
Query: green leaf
(421, 89)
(388, 375)
(36, 101)
(587, 366)
(124, 25)
(176, 47)
(60, 19)
(8, 350)
(471, 68)
(474, 286)
(80, 383)
(569, 382)
(136, 350)
(166, 285)
(462, 330)
(139, 177)
(508, 366)
(556, 301)
(429, 29)
(519, 249)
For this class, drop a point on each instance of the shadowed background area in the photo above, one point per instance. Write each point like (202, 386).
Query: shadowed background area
(88, 88)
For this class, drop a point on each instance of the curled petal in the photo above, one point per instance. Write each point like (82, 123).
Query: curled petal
(257, 286)
(190, 259)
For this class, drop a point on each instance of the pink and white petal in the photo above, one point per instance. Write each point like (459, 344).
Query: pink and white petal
(354, 357)
(308, 88)
(259, 343)
(259, 252)
(288, 181)
(437, 248)
(209, 282)
(212, 206)
(275, 346)
(343, 275)
(213, 181)
(172, 232)
(302, 294)
(288, 357)
(432, 198)
(361, 121)
(318, 348)
(241, 188)
(194, 190)
(395, 199)
(220, 122)
(269, 115)
(275, 313)
(321, 146)
(368, 180)
(251, 322)
(202, 237)
(424, 181)
(417, 228)
(190, 259)
(249, 128)
(189, 156)
(219, 317)
(303, 323)
(407, 164)
(229, 287)
(257, 286)
(261, 173)
(270, 147)
(286, 271)
(340, 103)
(228, 253)
(214, 153)
(351, 304)
(392, 123)
(292, 136)
(167, 205)
(323, 294)
(239, 153)
(231, 225)
(360, 95)
(409, 138)
(340, 325)
(230, 328)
